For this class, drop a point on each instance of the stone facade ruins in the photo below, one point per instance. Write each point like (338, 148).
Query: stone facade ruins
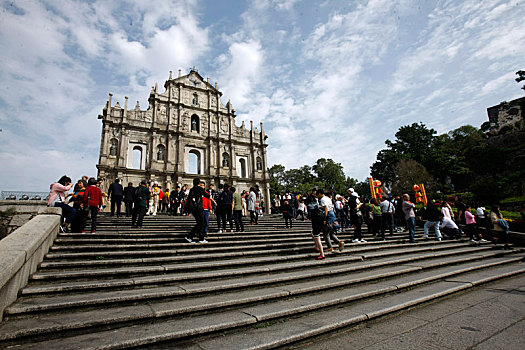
(507, 117)
(185, 132)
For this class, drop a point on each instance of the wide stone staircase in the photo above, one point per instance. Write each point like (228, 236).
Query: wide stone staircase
(147, 288)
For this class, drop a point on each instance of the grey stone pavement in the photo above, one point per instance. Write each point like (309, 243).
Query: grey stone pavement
(491, 316)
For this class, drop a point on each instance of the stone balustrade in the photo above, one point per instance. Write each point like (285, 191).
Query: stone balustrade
(23, 250)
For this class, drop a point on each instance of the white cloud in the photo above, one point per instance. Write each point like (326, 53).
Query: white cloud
(49, 98)
(496, 84)
(349, 75)
(242, 72)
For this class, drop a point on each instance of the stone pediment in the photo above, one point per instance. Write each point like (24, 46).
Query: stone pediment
(194, 79)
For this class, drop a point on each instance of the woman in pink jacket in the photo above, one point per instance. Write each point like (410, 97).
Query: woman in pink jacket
(471, 225)
(57, 198)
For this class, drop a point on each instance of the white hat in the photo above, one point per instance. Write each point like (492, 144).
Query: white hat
(350, 189)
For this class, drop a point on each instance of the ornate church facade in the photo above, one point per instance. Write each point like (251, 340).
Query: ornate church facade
(186, 132)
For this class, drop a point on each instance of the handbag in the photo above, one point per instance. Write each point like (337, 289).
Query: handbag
(86, 208)
(57, 199)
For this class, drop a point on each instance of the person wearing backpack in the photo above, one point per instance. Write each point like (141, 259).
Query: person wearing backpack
(218, 201)
(317, 222)
(140, 200)
(225, 208)
(195, 207)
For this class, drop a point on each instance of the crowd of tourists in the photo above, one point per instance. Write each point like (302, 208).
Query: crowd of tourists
(328, 212)
(228, 204)
(77, 207)
(148, 198)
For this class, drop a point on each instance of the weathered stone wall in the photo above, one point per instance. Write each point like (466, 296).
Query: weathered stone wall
(23, 250)
(186, 121)
(15, 213)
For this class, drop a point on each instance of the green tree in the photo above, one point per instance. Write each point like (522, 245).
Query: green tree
(412, 142)
(409, 173)
(277, 176)
(330, 174)
(294, 178)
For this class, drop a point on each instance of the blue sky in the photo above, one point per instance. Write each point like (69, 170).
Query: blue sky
(330, 79)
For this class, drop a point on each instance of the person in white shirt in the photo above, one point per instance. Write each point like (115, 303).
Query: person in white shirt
(387, 211)
(449, 227)
(330, 221)
(446, 210)
(340, 211)
(302, 210)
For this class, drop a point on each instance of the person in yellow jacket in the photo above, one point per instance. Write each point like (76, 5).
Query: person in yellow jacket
(154, 200)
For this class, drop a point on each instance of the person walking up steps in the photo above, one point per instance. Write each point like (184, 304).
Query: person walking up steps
(356, 216)
(330, 221)
(317, 223)
(387, 213)
(194, 206)
(410, 217)
(128, 199)
(237, 210)
(287, 211)
(207, 210)
(252, 199)
(226, 199)
(218, 212)
(140, 203)
(92, 199)
(116, 193)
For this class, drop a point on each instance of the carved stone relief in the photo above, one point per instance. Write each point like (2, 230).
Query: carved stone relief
(185, 120)
(224, 125)
(162, 118)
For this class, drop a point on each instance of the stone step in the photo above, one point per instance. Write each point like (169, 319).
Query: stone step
(210, 253)
(241, 259)
(282, 333)
(212, 246)
(124, 237)
(88, 242)
(291, 269)
(137, 287)
(179, 319)
(189, 288)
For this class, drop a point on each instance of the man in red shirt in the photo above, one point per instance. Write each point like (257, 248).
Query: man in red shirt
(91, 202)
(207, 210)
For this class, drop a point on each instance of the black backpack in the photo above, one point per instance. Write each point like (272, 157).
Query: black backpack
(313, 207)
(137, 194)
(218, 197)
(194, 202)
